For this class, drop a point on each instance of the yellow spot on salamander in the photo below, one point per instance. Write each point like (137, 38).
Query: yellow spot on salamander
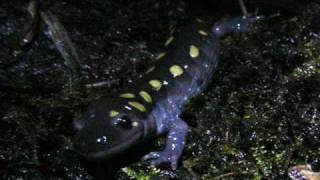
(176, 70)
(160, 55)
(155, 84)
(193, 51)
(168, 41)
(137, 105)
(146, 96)
(127, 95)
(202, 32)
(113, 113)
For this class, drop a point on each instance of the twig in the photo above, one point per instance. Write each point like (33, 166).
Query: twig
(243, 8)
(32, 27)
(62, 42)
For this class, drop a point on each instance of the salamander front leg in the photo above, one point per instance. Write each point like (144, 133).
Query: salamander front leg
(177, 132)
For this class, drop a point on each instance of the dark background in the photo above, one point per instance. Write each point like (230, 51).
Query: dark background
(259, 116)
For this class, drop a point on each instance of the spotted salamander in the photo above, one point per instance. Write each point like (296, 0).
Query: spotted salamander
(150, 106)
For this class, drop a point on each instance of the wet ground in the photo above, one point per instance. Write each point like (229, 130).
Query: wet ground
(259, 116)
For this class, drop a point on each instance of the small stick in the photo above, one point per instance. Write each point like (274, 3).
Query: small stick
(62, 42)
(32, 27)
(243, 8)
(96, 85)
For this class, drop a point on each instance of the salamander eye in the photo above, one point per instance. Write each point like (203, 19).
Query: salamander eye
(123, 122)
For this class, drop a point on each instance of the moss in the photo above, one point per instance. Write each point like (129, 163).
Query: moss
(310, 68)
(259, 116)
(140, 174)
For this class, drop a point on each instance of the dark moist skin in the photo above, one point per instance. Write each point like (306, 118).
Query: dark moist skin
(150, 106)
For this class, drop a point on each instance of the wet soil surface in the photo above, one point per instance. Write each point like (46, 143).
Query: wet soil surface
(259, 116)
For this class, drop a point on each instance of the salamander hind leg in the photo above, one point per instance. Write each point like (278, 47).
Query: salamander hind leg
(176, 137)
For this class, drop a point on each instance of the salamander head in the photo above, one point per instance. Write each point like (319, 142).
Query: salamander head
(104, 134)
